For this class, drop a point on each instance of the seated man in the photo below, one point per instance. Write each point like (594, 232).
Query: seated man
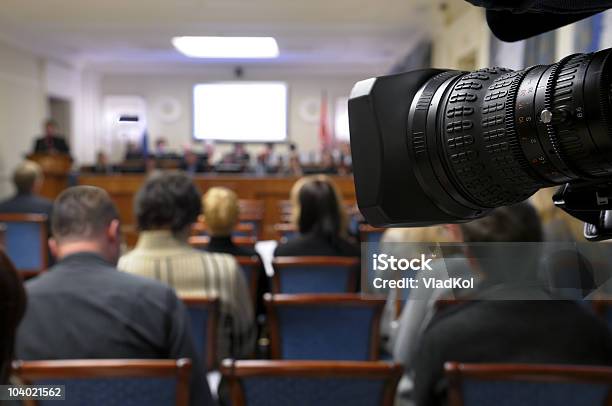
(84, 309)
(28, 178)
(166, 207)
(498, 328)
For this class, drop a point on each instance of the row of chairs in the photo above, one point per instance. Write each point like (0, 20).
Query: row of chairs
(302, 327)
(297, 383)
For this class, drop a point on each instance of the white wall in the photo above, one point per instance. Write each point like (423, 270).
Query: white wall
(155, 87)
(22, 108)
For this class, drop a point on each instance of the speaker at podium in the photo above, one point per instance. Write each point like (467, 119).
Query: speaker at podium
(56, 168)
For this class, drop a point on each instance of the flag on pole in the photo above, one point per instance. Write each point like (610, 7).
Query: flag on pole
(324, 133)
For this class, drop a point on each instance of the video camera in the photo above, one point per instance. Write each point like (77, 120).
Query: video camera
(443, 146)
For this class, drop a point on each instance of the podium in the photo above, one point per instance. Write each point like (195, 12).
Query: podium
(56, 168)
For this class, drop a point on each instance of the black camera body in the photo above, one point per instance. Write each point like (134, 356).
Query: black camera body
(441, 146)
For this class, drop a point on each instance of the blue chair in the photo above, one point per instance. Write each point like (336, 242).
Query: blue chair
(251, 268)
(204, 316)
(308, 383)
(315, 274)
(25, 241)
(285, 231)
(528, 385)
(111, 382)
(324, 327)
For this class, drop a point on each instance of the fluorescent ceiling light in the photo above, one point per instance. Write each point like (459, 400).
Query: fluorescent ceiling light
(227, 47)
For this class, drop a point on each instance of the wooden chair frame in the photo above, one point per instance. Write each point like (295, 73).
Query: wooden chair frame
(336, 300)
(280, 263)
(213, 306)
(456, 372)
(233, 371)
(201, 241)
(257, 267)
(30, 371)
(366, 229)
(41, 220)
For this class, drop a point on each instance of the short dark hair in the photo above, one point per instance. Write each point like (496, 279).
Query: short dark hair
(517, 223)
(167, 200)
(82, 212)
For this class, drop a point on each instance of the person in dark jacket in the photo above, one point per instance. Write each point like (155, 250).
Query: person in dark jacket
(27, 178)
(84, 308)
(319, 216)
(51, 142)
(511, 318)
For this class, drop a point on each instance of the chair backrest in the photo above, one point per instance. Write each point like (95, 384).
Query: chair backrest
(26, 242)
(252, 212)
(370, 234)
(315, 274)
(111, 382)
(324, 327)
(528, 385)
(204, 316)
(285, 231)
(251, 267)
(201, 241)
(307, 383)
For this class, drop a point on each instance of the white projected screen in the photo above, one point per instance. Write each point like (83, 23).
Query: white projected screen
(240, 111)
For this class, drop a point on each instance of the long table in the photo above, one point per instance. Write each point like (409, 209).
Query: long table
(271, 190)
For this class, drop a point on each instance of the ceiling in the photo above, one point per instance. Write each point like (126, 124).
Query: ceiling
(111, 35)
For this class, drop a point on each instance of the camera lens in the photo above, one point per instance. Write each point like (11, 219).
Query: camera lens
(479, 140)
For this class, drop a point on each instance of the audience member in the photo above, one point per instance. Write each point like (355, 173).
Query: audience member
(221, 213)
(84, 309)
(28, 179)
(12, 309)
(404, 334)
(320, 218)
(161, 148)
(51, 142)
(494, 328)
(166, 207)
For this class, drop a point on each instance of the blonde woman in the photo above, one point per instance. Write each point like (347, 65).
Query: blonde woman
(221, 213)
(319, 216)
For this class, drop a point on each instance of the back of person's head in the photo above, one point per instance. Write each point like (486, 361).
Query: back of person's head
(27, 177)
(221, 211)
(82, 213)
(517, 223)
(167, 201)
(317, 207)
(515, 232)
(12, 308)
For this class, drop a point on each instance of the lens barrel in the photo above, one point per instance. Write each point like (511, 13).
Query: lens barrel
(479, 140)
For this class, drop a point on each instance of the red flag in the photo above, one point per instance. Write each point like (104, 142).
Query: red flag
(324, 134)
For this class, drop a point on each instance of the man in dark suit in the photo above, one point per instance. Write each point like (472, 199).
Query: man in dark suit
(28, 178)
(85, 309)
(511, 319)
(51, 142)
